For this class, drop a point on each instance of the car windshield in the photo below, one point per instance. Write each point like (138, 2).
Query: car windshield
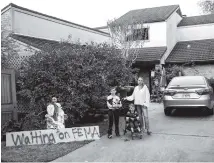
(187, 81)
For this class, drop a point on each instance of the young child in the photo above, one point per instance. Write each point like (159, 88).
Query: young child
(132, 119)
(113, 103)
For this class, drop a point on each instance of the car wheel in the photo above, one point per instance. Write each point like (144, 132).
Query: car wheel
(167, 112)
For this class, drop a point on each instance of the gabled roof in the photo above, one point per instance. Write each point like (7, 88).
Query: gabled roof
(35, 12)
(197, 51)
(151, 53)
(196, 20)
(149, 15)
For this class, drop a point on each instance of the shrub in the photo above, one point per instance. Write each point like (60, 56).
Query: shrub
(78, 75)
(10, 126)
(211, 81)
(31, 121)
(173, 71)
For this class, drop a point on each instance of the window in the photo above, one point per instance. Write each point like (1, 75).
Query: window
(186, 81)
(138, 34)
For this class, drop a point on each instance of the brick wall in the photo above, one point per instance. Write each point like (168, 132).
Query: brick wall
(204, 70)
(6, 21)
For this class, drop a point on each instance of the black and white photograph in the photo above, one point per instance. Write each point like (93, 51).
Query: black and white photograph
(107, 81)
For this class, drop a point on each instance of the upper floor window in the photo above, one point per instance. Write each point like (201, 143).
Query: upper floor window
(138, 34)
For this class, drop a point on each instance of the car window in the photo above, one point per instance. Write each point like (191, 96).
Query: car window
(187, 81)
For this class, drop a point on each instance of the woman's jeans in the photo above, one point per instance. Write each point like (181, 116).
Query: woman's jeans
(113, 115)
(143, 114)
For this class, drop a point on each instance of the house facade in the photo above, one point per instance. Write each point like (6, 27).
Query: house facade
(33, 28)
(170, 35)
(195, 43)
(173, 39)
(23, 21)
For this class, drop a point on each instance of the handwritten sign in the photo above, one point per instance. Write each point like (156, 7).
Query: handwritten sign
(37, 137)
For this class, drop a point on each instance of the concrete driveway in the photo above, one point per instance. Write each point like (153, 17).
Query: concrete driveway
(182, 137)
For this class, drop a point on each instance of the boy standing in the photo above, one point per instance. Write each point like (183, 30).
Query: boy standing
(113, 103)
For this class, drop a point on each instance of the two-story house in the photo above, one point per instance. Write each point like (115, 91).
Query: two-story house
(173, 39)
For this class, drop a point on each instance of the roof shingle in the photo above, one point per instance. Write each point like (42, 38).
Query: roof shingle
(187, 51)
(196, 20)
(38, 43)
(151, 53)
(148, 15)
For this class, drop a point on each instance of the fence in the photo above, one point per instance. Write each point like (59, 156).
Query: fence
(8, 95)
(15, 63)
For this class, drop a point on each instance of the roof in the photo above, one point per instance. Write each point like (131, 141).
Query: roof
(145, 54)
(35, 42)
(188, 51)
(196, 20)
(151, 53)
(102, 27)
(35, 12)
(149, 15)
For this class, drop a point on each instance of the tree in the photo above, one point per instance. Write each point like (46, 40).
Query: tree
(207, 6)
(128, 36)
(80, 76)
(8, 47)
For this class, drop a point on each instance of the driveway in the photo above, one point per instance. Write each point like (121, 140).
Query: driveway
(182, 137)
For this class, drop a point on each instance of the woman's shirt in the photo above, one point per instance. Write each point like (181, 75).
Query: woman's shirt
(50, 109)
(60, 117)
(140, 96)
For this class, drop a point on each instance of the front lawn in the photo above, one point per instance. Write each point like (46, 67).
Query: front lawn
(44, 153)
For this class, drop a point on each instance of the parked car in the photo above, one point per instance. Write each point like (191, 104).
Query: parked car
(188, 92)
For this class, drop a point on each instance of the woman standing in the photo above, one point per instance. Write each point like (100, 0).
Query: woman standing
(141, 97)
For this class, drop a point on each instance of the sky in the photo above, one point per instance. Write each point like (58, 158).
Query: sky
(96, 13)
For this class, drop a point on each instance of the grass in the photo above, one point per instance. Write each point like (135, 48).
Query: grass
(44, 153)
